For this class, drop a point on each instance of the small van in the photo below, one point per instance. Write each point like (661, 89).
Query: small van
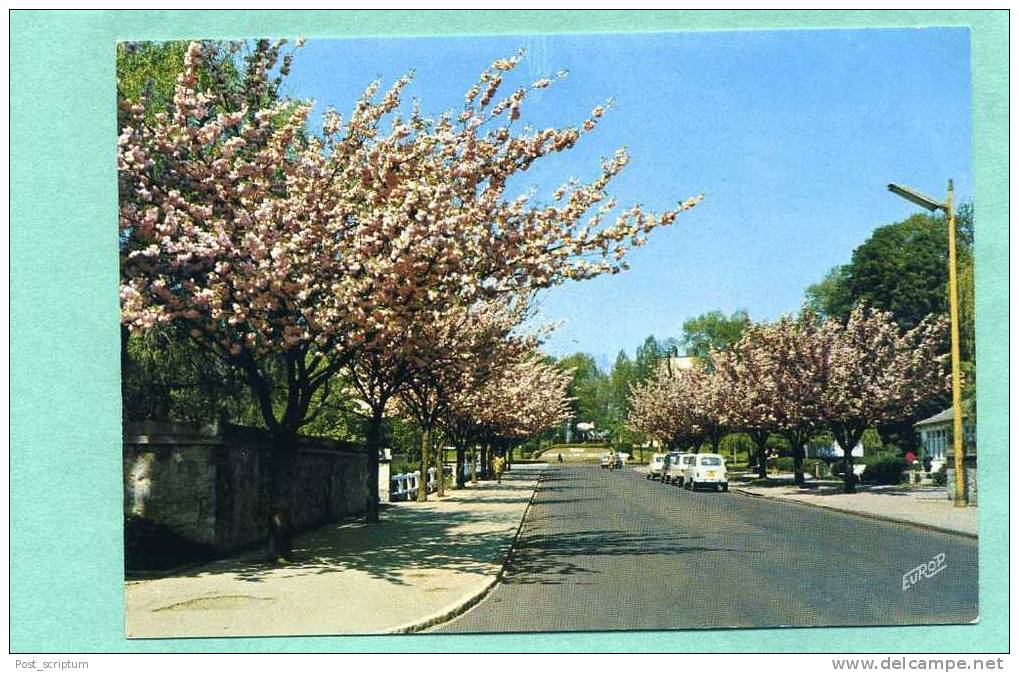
(707, 469)
(654, 468)
(678, 470)
(672, 470)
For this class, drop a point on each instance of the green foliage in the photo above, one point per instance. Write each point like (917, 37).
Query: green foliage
(164, 376)
(149, 69)
(738, 443)
(650, 354)
(404, 464)
(779, 444)
(815, 466)
(903, 268)
(940, 477)
(338, 417)
(713, 330)
(589, 390)
(871, 441)
(404, 439)
(604, 398)
(622, 376)
(901, 436)
(831, 297)
(885, 468)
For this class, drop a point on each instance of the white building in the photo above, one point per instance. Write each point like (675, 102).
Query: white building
(833, 450)
(936, 439)
(674, 364)
(936, 436)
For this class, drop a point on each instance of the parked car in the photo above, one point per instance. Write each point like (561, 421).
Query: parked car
(654, 468)
(707, 469)
(677, 470)
(671, 469)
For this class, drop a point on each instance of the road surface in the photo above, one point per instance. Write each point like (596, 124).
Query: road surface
(607, 549)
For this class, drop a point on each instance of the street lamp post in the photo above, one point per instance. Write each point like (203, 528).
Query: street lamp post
(953, 307)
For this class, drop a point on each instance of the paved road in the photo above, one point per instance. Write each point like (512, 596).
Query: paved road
(605, 550)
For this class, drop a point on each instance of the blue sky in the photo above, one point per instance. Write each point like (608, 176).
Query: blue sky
(792, 136)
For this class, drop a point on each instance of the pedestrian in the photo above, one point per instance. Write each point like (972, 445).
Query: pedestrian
(927, 464)
(560, 457)
(498, 463)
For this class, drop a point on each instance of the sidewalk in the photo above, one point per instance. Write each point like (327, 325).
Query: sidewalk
(423, 563)
(925, 506)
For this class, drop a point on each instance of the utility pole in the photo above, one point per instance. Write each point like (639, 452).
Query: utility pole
(953, 307)
(960, 499)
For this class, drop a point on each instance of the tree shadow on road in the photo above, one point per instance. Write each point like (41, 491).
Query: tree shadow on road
(558, 558)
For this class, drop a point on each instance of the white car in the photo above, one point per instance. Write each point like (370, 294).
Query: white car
(707, 469)
(677, 468)
(654, 468)
(671, 470)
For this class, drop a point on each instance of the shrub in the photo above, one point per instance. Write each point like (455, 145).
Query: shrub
(779, 444)
(401, 464)
(940, 477)
(810, 466)
(885, 469)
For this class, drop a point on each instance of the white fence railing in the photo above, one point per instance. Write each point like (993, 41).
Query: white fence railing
(405, 486)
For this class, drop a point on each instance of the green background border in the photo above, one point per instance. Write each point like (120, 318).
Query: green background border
(66, 589)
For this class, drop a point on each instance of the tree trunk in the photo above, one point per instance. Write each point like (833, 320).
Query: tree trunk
(760, 438)
(847, 437)
(798, 456)
(282, 465)
(474, 464)
(373, 445)
(797, 440)
(440, 475)
(460, 451)
(849, 478)
(426, 438)
(485, 450)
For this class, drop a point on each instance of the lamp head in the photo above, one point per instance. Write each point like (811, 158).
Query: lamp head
(916, 197)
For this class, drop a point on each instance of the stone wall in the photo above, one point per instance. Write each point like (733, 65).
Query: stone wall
(210, 485)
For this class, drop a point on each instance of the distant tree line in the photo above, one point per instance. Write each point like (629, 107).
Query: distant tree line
(901, 269)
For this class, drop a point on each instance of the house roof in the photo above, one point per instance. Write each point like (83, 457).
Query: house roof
(945, 416)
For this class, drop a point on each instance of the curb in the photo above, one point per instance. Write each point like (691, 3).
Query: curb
(862, 515)
(462, 606)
